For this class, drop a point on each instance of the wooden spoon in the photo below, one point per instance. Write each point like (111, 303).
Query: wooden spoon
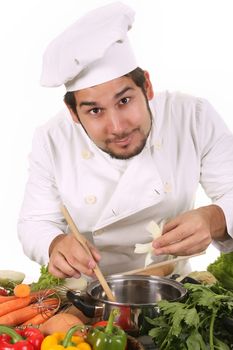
(149, 269)
(83, 242)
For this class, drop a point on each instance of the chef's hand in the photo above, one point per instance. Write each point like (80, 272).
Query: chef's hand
(191, 232)
(69, 259)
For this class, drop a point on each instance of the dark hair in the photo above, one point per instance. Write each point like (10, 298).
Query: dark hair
(137, 75)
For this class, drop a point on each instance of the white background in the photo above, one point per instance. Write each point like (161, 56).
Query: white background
(185, 44)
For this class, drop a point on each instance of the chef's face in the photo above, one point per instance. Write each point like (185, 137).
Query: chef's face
(116, 115)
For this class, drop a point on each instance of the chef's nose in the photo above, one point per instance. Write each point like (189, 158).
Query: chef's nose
(116, 122)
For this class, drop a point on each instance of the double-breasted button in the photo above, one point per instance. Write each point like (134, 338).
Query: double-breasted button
(86, 154)
(90, 199)
(158, 145)
(98, 232)
(167, 187)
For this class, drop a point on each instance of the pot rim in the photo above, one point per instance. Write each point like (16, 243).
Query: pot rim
(162, 280)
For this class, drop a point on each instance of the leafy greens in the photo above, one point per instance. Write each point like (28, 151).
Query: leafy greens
(197, 322)
(46, 280)
(222, 269)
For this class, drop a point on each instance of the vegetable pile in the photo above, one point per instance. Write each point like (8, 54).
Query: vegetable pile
(197, 322)
(31, 317)
(106, 337)
(24, 304)
(32, 309)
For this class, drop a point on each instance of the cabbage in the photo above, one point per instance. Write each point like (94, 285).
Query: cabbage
(9, 278)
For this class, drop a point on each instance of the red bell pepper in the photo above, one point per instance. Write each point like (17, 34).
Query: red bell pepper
(123, 321)
(28, 338)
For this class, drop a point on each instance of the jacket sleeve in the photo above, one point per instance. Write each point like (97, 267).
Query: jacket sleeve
(216, 175)
(40, 220)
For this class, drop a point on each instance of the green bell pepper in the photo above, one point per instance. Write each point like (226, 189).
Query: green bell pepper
(110, 337)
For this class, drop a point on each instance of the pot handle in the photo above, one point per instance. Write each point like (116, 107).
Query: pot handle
(87, 309)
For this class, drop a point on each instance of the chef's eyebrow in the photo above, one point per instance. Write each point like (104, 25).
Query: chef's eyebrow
(122, 92)
(116, 96)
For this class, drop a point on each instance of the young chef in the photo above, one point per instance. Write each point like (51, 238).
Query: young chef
(119, 156)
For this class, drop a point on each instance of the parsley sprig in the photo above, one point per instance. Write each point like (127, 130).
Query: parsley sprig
(197, 322)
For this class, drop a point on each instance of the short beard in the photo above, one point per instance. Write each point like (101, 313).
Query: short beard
(137, 150)
(131, 155)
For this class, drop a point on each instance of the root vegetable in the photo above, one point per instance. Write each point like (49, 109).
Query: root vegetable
(14, 304)
(24, 313)
(39, 319)
(60, 322)
(22, 290)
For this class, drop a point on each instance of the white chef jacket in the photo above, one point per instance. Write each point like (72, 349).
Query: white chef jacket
(112, 201)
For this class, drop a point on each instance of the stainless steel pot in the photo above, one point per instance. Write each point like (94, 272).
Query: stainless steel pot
(136, 296)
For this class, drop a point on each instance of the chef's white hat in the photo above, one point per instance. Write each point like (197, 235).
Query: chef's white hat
(94, 50)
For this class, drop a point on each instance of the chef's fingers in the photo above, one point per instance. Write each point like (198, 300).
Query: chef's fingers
(94, 251)
(79, 258)
(170, 225)
(69, 256)
(192, 244)
(173, 232)
(61, 269)
(184, 239)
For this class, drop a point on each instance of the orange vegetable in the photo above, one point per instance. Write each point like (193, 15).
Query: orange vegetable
(39, 319)
(60, 322)
(14, 304)
(4, 298)
(24, 313)
(22, 290)
(19, 316)
(35, 295)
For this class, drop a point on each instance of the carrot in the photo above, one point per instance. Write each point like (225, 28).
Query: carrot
(14, 304)
(22, 290)
(4, 298)
(19, 316)
(16, 317)
(36, 295)
(39, 318)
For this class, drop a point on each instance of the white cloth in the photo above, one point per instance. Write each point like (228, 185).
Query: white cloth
(113, 201)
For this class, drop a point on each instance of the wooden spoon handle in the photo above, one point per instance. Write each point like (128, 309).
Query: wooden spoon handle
(161, 264)
(83, 242)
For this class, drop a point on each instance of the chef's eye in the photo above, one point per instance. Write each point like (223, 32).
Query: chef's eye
(124, 100)
(95, 111)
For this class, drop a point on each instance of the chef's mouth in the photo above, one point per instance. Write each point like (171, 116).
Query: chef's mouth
(122, 139)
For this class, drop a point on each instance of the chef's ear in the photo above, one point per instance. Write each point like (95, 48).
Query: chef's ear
(148, 86)
(70, 102)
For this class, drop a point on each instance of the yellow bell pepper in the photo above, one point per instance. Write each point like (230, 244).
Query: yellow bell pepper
(65, 341)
